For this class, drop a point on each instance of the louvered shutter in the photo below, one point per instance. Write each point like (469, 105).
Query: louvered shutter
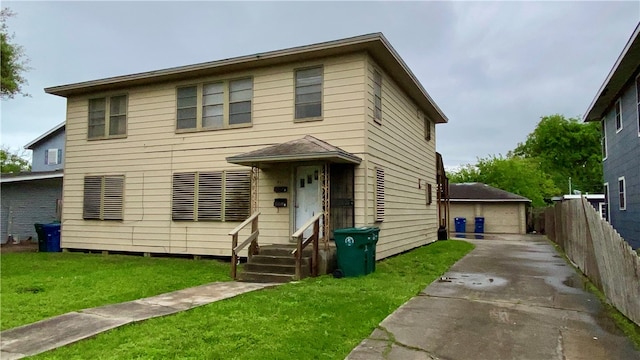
(379, 195)
(184, 186)
(429, 195)
(210, 196)
(112, 197)
(92, 192)
(237, 195)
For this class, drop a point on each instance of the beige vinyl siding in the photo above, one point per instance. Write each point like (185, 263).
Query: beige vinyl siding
(398, 146)
(153, 151)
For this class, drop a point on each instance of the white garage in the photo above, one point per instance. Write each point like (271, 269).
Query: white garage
(503, 212)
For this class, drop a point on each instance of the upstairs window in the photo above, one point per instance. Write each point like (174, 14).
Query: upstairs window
(217, 105)
(618, 113)
(308, 93)
(377, 97)
(52, 156)
(211, 196)
(103, 197)
(108, 117)
(622, 193)
(427, 129)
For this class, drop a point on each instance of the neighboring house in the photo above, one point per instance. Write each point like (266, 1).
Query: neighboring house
(503, 212)
(171, 161)
(617, 107)
(598, 202)
(34, 197)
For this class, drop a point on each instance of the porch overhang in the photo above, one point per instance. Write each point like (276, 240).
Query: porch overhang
(308, 148)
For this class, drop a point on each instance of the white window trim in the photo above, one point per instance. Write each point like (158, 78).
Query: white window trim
(604, 134)
(624, 193)
(607, 200)
(55, 152)
(615, 107)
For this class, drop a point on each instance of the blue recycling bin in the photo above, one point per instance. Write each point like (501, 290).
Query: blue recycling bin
(479, 225)
(461, 224)
(52, 233)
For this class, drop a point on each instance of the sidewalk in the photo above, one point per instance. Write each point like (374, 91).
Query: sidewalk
(513, 297)
(68, 328)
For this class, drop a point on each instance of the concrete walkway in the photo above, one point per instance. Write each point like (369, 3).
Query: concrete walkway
(65, 329)
(513, 297)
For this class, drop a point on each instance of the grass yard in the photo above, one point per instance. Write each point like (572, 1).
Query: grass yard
(35, 286)
(317, 318)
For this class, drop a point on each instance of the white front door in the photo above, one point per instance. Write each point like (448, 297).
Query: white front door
(308, 196)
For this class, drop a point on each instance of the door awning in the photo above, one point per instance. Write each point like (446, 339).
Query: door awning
(308, 148)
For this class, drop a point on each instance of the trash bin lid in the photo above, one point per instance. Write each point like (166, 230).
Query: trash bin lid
(356, 230)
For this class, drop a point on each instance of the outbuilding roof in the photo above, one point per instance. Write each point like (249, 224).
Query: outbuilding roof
(30, 175)
(474, 192)
(376, 45)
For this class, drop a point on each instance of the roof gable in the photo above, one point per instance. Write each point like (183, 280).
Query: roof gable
(45, 136)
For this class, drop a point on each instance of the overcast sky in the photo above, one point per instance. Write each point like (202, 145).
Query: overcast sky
(494, 68)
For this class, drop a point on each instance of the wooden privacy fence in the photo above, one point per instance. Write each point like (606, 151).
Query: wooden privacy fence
(599, 251)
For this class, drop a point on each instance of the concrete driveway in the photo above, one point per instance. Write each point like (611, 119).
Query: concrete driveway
(513, 297)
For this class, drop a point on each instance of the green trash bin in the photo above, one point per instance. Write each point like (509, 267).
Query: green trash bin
(42, 237)
(356, 250)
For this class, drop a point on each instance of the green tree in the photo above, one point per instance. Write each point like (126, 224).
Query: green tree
(12, 162)
(513, 173)
(13, 61)
(566, 148)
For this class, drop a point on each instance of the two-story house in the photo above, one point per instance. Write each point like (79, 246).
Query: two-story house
(170, 161)
(617, 107)
(36, 196)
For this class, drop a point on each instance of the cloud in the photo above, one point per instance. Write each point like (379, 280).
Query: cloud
(493, 67)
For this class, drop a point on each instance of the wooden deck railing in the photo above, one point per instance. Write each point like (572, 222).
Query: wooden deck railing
(253, 239)
(302, 243)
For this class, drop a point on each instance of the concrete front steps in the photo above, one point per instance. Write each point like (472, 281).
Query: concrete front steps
(275, 264)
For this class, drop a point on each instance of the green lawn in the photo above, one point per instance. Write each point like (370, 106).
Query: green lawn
(317, 318)
(35, 286)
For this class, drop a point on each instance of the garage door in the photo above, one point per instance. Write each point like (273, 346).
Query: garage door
(503, 218)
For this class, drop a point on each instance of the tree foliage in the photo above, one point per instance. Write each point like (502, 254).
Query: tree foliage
(514, 174)
(558, 149)
(566, 148)
(12, 162)
(13, 61)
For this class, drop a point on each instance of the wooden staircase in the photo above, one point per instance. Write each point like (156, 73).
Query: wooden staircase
(275, 263)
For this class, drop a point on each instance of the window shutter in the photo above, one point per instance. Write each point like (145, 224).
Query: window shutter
(92, 191)
(210, 196)
(46, 157)
(59, 157)
(112, 198)
(429, 196)
(379, 214)
(182, 207)
(237, 195)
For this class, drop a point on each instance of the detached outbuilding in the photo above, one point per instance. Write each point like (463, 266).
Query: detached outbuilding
(503, 212)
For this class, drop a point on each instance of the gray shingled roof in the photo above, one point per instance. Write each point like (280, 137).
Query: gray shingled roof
(471, 192)
(308, 148)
